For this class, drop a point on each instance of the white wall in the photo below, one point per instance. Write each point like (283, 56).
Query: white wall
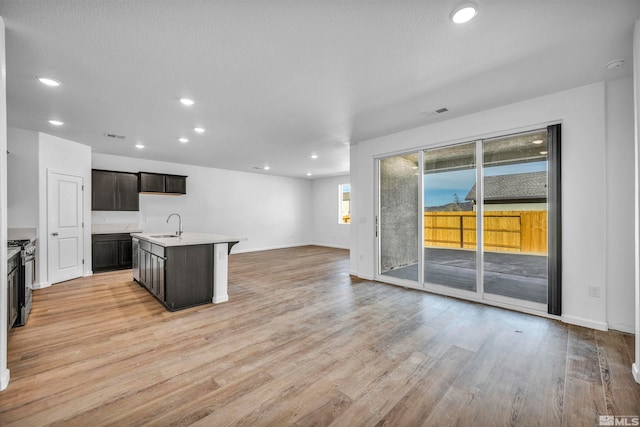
(582, 114)
(356, 218)
(4, 372)
(271, 211)
(325, 211)
(61, 155)
(22, 178)
(619, 203)
(636, 103)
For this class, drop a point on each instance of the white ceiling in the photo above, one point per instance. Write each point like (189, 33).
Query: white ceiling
(275, 81)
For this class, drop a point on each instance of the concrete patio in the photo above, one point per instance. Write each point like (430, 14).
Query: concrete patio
(514, 275)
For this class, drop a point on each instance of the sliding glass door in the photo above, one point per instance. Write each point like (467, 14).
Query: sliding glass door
(515, 210)
(398, 218)
(449, 217)
(479, 219)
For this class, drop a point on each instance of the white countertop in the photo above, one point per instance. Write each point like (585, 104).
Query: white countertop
(186, 238)
(11, 252)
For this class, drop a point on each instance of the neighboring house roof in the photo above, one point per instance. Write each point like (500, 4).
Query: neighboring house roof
(518, 186)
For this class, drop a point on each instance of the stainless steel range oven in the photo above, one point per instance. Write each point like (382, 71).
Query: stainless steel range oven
(27, 277)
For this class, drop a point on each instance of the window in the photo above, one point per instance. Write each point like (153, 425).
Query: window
(344, 203)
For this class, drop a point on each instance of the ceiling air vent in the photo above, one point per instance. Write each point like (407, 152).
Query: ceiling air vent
(114, 135)
(442, 110)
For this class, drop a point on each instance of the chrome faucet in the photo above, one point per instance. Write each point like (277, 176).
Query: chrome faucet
(179, 232)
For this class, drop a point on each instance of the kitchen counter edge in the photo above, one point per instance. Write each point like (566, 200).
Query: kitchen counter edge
(11, 252)
(187, 239)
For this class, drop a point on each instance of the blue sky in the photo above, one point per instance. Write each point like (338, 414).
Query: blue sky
(439, 188)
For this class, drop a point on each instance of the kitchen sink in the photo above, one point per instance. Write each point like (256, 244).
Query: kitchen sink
(164, 236)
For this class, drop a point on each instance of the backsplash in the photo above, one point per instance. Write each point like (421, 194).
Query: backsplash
(103, 222)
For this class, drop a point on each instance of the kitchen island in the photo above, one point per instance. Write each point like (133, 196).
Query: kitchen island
(183, 270)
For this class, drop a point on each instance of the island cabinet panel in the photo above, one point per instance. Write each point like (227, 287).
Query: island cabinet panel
(189, 276)
(111, 252)
(151, 268)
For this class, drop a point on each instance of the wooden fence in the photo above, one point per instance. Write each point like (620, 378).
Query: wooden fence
(504, 231)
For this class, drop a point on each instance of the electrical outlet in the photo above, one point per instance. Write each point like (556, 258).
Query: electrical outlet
(594, 291)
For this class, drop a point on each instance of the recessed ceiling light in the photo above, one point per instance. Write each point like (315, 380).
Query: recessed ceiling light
(314, 156)
(537, 141)
(186, 101)
(614, 65)
(267, 167)
(308, 173)
(49, 82)
(56, 122)
(139, 146)
(183, 140)
(199, 130)
(464, 13)
(544, 153)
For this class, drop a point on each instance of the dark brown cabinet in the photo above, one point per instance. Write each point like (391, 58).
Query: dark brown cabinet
(175, 184)
(13, 289)
(189, 276)
(151, 263)
(111, 252)
(162, 183)
(114, 191)
(151, 182)
(178, 276)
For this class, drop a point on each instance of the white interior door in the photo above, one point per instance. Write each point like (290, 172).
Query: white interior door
(65, 226)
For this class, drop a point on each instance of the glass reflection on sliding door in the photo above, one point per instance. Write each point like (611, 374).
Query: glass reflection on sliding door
(515, 206)
(450, 217)
(399, 222)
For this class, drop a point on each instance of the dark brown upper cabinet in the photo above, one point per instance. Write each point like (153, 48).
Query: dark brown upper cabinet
(151, 182)
(114, 191)
(158, 183)
(175, 184)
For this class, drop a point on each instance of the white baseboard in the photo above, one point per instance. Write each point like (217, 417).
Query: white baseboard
(364, 277)
(88, 273)
(269, 248)
(219, 299)
(324, 245)
(297, 245)
(587, 323)
(635, 369)
(622, 327)
(4, 379)
(41, 285)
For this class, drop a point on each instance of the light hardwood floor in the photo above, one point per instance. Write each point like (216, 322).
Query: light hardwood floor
(302, 343)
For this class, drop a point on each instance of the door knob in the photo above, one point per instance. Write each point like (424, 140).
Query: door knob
(54, 234)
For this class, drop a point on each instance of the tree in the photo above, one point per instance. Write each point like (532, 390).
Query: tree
(456, 202)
